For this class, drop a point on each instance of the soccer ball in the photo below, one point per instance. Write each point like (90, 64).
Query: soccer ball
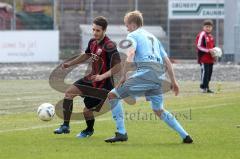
(217, 52)
(46, 112)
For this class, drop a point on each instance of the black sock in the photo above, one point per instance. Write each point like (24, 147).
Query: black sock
(90, 124)
(67, 110)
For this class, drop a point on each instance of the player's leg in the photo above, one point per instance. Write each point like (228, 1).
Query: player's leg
(90, 103)
(210, 67)
(89, 118)
(70, 93)
(117, 111)
(210, 71)
(207, 72)
(132, 87)
(168, 118)
(201, 76)
(118, 116)
(205, 77)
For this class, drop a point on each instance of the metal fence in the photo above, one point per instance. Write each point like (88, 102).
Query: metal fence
(67, 15)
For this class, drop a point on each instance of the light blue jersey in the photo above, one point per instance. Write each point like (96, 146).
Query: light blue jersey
(148, 47)
(148, 51)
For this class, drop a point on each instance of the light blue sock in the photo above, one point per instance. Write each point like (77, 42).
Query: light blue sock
(117, 114)
(173, 123)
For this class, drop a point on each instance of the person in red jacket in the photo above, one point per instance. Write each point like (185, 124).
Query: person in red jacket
(205, 43)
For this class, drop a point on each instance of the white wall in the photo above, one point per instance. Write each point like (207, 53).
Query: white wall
(229, 22)
(232, 29)
(29, 46)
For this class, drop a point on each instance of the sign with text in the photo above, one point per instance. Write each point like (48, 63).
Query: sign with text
(196, 9)
(29, 46)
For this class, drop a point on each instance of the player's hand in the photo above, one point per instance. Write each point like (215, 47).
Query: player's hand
(97, 77)
(65, 65)
(175, 88)
(122, 80)
(211, 51)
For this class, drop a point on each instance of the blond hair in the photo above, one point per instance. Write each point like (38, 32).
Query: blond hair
(134, 17)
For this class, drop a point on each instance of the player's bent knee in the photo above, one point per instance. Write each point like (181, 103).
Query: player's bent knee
(111, 96)
(69, 94)
(72, 92)
(158, 112)
(85, 110)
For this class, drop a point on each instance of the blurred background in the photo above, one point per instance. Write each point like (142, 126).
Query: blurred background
(37, 35)
(175, 22)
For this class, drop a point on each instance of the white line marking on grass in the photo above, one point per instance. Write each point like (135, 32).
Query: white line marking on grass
(45, 126)
(105, 119)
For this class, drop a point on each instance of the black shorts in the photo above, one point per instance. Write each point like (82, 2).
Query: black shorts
(94, 104)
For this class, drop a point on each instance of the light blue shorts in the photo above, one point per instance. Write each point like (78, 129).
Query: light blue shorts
(142, 86)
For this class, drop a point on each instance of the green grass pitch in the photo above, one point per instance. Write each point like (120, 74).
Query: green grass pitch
(213, 120)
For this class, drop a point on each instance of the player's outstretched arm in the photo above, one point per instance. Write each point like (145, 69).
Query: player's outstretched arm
(79, 59)
(171, 74)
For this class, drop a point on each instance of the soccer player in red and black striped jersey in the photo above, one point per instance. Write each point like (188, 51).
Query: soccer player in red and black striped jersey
(205, 43)
(105, 61)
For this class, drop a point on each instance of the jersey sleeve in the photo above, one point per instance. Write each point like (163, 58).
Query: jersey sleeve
(88, 50)
(201, 41)
(132, 40)
(163, 53)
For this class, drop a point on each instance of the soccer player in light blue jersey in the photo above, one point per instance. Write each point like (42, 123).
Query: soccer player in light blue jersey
(146, 53)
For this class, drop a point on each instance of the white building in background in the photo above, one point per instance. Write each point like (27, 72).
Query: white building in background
(117, 33)
(232, 30)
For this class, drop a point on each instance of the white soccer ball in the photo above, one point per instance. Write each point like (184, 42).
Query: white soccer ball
(217, 52)
(46, 112)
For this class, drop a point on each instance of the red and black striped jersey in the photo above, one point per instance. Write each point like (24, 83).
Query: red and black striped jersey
(104, 55)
